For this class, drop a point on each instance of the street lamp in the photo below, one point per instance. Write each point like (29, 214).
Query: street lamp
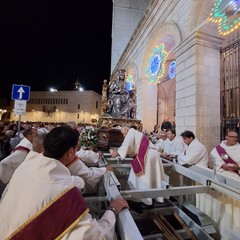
(53, 90)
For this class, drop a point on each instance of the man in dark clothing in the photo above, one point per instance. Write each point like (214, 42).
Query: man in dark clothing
(166, 125)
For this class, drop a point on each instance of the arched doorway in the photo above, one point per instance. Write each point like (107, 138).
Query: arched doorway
(166, 36)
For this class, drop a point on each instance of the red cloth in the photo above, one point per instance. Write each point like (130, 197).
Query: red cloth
(55, 219)
(21, 148)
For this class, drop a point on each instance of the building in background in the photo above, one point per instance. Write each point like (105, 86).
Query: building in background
(61, 106)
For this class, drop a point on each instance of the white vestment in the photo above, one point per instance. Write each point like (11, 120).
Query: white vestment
(88, 156)
(195, 153)
(91, 175)
(78, 182)
(223, 209)
(153, 172)
(217, 161)
(159, 145)
(165, 145)
(34, 184)
(175, 147)
(9, 164)
(162, 145)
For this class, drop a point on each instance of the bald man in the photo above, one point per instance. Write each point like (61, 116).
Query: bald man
(147, 169)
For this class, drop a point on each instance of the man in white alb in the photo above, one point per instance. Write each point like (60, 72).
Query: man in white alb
(194, 153)
(147, 169)
(175, 145)
(225, 157)
(163, 142)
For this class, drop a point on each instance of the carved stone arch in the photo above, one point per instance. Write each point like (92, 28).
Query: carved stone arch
(199, 12)
(170, 35)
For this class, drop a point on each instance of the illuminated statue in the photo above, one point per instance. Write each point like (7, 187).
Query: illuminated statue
(121, 103)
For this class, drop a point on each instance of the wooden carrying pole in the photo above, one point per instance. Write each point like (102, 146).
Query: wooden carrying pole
(184, 225)
(169, 226)
(163, 228)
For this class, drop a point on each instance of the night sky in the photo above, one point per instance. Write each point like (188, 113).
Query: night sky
(51, 43)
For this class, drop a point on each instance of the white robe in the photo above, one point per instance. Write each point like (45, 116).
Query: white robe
(35, 183)
(9, 164)
(195, 153)
(217, 162)
(154, 172)
(162, 145)
(88, 156)
(175, 147)
(166, 144)
(223, 209)
(159, 145)
(91, 175)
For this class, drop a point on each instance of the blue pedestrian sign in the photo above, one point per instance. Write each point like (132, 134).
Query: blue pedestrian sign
(20, 92)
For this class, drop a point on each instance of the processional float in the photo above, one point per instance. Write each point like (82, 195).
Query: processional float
(118, 109)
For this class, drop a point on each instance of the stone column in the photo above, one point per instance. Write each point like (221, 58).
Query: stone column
(198, 87)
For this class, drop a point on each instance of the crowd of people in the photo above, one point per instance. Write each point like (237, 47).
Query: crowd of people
(44, 173)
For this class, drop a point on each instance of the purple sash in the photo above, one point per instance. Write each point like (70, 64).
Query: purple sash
(58, 218)
(221, 151)
(21, 148)
(139, 161)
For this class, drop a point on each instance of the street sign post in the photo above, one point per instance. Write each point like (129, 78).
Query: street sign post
(20, 92)
(20, 107)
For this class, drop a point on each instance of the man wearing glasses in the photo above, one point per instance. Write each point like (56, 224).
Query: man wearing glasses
(225, 157)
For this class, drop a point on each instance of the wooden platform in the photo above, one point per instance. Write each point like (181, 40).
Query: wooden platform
(109, 138)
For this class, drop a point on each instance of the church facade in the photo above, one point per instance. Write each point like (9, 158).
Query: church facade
(183, 60)
(173, 59)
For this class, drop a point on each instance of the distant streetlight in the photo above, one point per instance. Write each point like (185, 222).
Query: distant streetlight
(53, 90)
(81, 89)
